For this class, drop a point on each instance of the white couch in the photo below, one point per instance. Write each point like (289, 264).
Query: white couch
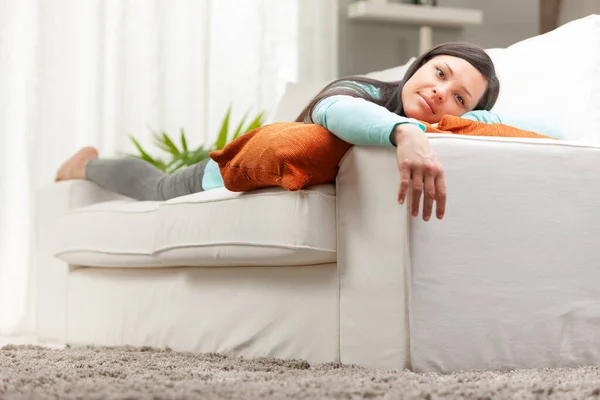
(340, 273)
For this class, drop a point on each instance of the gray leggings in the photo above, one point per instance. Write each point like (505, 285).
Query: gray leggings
(140, 180)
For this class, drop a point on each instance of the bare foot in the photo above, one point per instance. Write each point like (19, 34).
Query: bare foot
(74, 167)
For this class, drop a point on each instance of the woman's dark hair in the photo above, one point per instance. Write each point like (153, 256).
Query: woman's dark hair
(390, 93)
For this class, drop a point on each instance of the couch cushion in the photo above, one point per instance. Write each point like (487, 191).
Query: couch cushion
(117, 233)
(214, 228)
(262, 227)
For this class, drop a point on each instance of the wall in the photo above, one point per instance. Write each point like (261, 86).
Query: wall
(574, 9)
(367, 46)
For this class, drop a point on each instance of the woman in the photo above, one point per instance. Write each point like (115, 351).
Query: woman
(451, 79)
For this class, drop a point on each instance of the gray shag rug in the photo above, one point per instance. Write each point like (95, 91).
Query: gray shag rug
(30, 372)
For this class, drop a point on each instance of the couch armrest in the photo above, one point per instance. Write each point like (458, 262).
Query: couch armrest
(52, 202)
(372, 236)
(509, 279)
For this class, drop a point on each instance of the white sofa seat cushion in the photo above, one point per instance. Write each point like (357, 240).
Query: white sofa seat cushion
(262, 227)
(214, 228)
(117, 233)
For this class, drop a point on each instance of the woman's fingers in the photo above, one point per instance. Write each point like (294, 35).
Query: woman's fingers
(429, 194)
(420, 172)
(426, 180)
(404, 181)
(440, 195)
(417, 189)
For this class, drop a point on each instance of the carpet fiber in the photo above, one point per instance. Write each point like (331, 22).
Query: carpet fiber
(29, 372)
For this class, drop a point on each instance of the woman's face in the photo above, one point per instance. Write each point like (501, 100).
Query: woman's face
(445, 85)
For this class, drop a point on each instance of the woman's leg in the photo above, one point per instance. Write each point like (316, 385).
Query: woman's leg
(132, 177)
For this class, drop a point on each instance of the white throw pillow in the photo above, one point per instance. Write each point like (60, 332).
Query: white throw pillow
(554, 77)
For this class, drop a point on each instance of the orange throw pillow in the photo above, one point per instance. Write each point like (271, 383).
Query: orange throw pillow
(463, 126)
(292, 155)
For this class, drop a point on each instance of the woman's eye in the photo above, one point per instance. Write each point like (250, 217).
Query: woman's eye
(440, 73)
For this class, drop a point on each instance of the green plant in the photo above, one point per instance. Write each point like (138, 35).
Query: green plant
(181, 156)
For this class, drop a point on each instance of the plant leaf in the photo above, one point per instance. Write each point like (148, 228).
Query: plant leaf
(238, 130)
(161, 165)
(157, 138)
(256, 123)
(161, 144)
(156, 162)
(143, 155)
(169, 144)
(183, 142)
(178, 164)
(198, 155)
(223, 133)
(172, 162)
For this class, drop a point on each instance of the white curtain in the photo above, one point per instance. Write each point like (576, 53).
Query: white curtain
(318, 40)
(91, 72)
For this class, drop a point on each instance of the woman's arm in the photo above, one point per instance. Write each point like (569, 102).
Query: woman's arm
(361, 122)
(358, 121)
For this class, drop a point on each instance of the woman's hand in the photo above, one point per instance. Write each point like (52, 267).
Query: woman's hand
(420, 167)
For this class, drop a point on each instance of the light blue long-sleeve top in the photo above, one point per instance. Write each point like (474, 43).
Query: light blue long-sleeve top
(361, 122)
